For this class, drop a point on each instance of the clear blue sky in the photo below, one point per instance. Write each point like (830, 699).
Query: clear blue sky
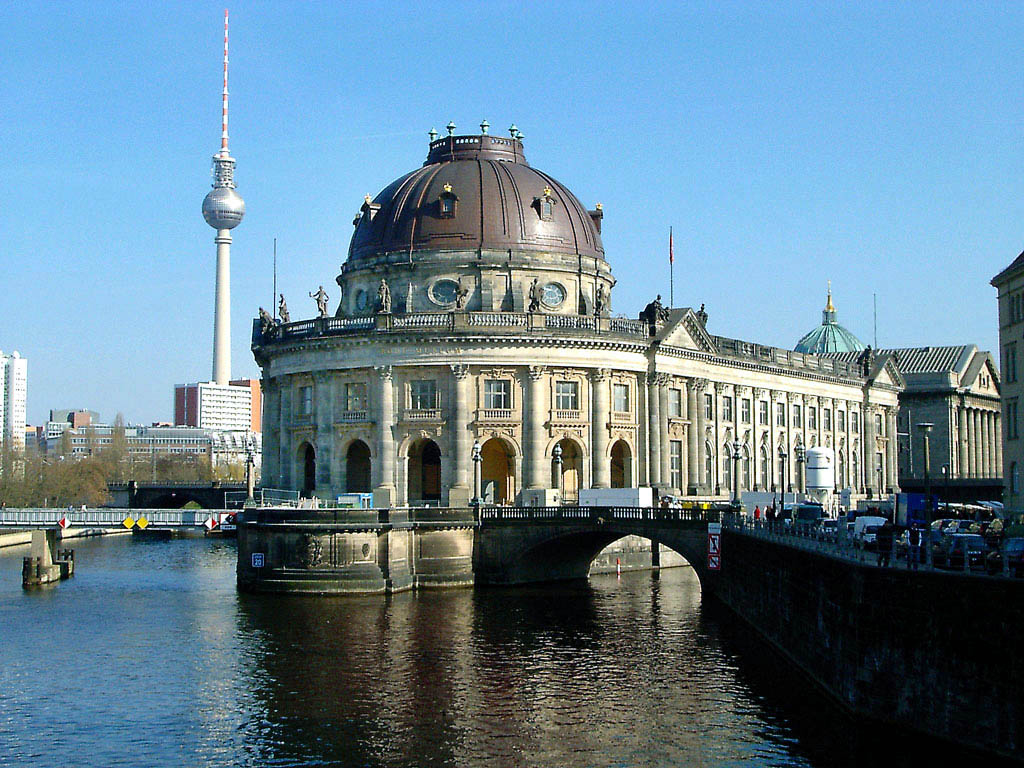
(876, 145)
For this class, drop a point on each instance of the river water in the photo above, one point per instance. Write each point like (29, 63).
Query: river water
(150, 657)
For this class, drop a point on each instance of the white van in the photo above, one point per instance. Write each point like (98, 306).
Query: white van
(861, 535)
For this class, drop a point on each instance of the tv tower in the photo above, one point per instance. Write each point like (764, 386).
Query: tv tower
(223, 209)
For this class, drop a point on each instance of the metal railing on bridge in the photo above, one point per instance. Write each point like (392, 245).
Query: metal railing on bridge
(48, 517)
(694, 513)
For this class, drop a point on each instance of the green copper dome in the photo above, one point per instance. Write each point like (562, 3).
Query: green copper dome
(830, 336)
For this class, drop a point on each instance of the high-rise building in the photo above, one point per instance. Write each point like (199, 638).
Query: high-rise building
(13, 391)
(207, 404)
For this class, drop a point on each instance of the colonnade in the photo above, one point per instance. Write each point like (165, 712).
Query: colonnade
(980, 442)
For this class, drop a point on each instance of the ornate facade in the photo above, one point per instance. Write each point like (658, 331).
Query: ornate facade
(476, 308)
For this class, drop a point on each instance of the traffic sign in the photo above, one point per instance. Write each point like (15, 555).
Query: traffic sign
(257, 559)
(142, 522)
(210, 523)
(64, 522)
(714, 546)
(129, 522)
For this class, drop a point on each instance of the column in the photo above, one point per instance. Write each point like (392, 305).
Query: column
(998, 419)
(755, 446)
(692, 454)
(384, 487)
(666, 446)
(271, 435)
(285, 460)
(684, 463)
(458, 410)
(702, 482)
(965, 454)
(536, 418)
(986, 447)
(600, 472)
(322, 413)
(892, 446)
(654, 446)
(976, 443)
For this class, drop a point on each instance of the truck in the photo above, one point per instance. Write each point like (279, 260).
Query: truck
(616, 497)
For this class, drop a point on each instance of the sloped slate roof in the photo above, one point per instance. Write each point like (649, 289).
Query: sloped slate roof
(931, 359)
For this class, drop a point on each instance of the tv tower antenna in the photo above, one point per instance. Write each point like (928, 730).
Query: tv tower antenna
(223, 209)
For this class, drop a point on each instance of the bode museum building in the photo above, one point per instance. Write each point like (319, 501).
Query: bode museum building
(475, 331)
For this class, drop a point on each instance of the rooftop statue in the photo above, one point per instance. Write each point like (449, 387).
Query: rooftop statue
(384, 298)
(321, 298)
(282, 310)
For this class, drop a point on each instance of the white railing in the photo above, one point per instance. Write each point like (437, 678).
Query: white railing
(347, 417)
(498, 319)
(625, 325)
(422, 321)
(497, 414)
(423, 414)
(565, 415)
(574, 322)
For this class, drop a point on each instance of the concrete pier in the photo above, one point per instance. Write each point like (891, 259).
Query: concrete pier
(46, 564)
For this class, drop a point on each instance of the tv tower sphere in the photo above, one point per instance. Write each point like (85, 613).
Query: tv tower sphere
(223, 208)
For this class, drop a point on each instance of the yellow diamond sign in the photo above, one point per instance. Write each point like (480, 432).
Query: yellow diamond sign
(129, 522)
(142, 522)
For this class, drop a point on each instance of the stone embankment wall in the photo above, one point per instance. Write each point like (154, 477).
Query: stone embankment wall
(933, 651)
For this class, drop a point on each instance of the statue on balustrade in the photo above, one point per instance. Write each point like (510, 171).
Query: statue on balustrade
(320, 297)
(282, 310)
(384, 298)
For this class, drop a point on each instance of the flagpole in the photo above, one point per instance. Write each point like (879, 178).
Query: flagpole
(273, 300)
(671, 272)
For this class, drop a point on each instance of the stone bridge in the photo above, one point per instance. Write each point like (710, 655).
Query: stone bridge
(342, 551)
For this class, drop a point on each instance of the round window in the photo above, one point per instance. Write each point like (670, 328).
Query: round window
(362, 299)
(553, 294)
(444, 291)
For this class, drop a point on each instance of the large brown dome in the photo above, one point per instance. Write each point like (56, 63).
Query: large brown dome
(476, 193)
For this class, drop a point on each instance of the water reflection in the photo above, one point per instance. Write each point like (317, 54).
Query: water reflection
(162, 662)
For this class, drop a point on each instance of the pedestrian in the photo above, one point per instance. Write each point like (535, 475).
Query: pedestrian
(914, 547)
(883, 541)
(757, 512)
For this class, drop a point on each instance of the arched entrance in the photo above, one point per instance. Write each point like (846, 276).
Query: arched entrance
(357, 468)
(497, 472)
(424, 475)
(572, 470)
(308, 458)
(622, 465)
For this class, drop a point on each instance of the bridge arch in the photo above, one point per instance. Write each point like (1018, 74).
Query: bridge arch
(541, 553)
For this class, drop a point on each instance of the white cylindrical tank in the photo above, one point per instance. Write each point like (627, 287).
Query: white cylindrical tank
(820, 472)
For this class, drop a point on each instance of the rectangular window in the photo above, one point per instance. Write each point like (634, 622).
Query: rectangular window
(826, 419)
(854, 422)
(1010, 362)
(780, 414)
(745, 410)
(762, 413)
(423, 394)
(726, 409)
(1011, 419)
(709, 407)
(497, 394)
(355, 396)
(841, 420)
(620, 397)
(305, 401)
(797, 417)
(676, 463)
(812, 417)
(878, 425)
(567, 395)
(675, 403)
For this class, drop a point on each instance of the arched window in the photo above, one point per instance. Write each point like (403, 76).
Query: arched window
(855, 465)
(726, 467)
(709, 465)
(841, 475)
(766, 467)
(745, 469)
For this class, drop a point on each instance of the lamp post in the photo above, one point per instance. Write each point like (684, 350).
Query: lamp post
(736, 447)
(925, 428)
(477, 461)
(557, 453)
(782, 473)
(801, 456)
(878, 472)
(250, 475)
(945, 484)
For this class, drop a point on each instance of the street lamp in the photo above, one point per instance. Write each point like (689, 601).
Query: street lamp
(878, 471)
(945, 484)
(801, 456)
(925, 429)
(557, 453)
(782, 472)
(736, 447)
(477, 461)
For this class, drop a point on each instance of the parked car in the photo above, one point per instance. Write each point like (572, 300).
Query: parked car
(807, 517)
(951, 550)
(1014, 555)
